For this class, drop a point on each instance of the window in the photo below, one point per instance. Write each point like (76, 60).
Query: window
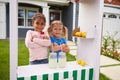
(55, 15)
(29, 17)
(112, 16)
(104, 15)
(25, 16)
(21, 17)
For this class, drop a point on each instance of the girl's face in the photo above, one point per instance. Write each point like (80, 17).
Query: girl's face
(38, 24)
(57, 31)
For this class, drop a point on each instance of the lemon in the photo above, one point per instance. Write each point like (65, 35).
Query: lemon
(80, 34)
(77, 33)
(79, 61)
(83, 63)
(84, 34)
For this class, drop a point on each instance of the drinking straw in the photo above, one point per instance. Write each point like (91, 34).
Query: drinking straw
(52, 48)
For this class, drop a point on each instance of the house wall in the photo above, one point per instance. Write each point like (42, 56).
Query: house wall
(72, 18)
(2, 21)
(68, 19)
(7, 20)
(111, 25)
(77, 15)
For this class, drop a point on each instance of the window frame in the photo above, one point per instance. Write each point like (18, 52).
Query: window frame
(58, 11)
(26, 9)
(113, 16)
(21, 17)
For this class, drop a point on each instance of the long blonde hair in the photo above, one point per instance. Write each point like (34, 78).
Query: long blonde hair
(57, 22)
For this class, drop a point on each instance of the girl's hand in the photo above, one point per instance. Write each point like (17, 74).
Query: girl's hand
(56, 47)
(55, 44)
(63, 45)
(45, 37)
(65, 48)
(35, 36)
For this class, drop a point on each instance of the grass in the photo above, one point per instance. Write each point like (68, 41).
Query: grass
(103, 77)
(110, 65)
(23, 56)
(4, 60)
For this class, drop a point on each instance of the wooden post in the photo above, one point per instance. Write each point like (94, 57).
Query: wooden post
(90, 21)
(13, 39)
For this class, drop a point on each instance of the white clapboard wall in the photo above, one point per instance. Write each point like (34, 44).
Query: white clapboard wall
(2, 21)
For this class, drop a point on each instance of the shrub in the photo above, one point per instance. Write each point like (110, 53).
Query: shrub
(111, 46)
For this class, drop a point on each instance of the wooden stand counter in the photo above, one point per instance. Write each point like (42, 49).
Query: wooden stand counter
(72, 71)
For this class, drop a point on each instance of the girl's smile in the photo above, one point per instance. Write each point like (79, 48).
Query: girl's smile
(57, 31)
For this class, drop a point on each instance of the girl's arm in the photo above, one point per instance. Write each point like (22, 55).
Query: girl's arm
(65, 47)
(43, 41)
(29, 40)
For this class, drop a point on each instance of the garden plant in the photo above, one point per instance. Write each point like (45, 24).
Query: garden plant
(111, 46)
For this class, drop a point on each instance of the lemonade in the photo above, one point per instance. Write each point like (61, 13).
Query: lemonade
(52, 60)
(62, 60)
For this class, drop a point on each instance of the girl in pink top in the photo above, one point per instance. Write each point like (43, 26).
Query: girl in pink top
(38, 41)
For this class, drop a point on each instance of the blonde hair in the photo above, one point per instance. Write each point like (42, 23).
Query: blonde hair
(54, 23)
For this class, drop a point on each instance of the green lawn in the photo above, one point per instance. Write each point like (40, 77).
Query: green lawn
(22, 58)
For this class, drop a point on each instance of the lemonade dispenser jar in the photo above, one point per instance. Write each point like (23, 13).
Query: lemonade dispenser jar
(62, 59)
(52, 60)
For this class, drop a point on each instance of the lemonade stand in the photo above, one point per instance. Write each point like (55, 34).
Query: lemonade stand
(88, 48)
